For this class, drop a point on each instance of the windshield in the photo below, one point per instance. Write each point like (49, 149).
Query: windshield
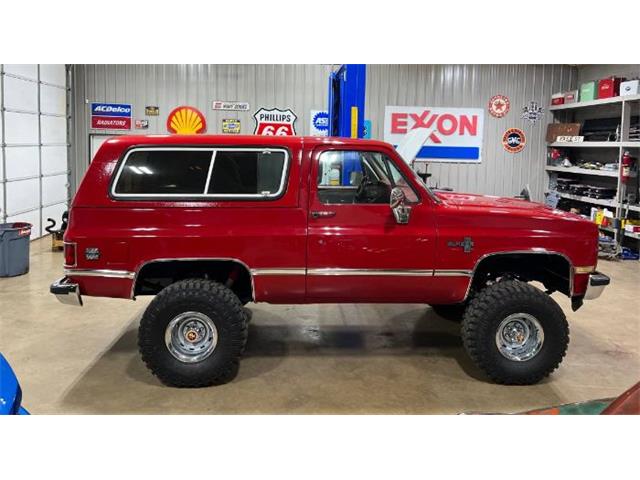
(418, 179)
(408, 150)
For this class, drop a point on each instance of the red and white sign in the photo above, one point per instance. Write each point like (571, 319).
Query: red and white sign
(457, 135)
(275, 122)
(112, 123)
(112, 116)
(499, 106)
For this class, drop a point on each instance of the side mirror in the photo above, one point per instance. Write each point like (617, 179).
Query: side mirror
(397, 202)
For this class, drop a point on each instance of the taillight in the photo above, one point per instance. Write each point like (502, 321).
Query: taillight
(70, 254)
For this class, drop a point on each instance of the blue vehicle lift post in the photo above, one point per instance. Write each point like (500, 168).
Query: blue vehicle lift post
(346, 111)
(346, 101)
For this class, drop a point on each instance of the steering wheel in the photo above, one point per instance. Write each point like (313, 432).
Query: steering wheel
(366, 195)
(364, 182)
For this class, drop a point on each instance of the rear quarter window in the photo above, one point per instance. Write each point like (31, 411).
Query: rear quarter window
(247, 172)
(203, 173)
(148, 172)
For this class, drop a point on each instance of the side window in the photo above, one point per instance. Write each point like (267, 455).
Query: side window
(247, 172)
(208, 172)
(180, 172)
(351, 177)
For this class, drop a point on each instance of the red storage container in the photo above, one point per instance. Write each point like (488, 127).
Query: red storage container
(609, 87)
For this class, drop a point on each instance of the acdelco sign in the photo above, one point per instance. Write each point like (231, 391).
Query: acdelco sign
(456, 137)
(112, 109)
(112, 116)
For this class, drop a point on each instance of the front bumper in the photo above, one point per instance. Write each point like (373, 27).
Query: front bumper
(66, 292)
(595, 287)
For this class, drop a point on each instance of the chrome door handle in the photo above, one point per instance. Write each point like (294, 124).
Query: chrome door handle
(323, 214)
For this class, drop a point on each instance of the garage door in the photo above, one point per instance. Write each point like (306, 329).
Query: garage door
(34, 166)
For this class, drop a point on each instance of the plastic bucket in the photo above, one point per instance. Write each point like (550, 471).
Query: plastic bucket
(14, 248)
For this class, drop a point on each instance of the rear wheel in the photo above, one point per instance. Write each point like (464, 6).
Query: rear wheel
(193, 333)
(515, 333)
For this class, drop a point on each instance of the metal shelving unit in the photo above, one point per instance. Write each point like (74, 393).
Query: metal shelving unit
(595, 103)
(609, 150)
(595, 144)
(582, 171)
(594, 201)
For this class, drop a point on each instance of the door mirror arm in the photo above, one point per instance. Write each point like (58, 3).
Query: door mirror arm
(397, 202)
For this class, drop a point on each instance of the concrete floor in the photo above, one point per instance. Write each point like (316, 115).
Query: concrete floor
(302, 359)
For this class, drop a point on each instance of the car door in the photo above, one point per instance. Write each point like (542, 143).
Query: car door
(356, 252)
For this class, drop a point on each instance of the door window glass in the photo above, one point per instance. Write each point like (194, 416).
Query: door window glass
(348, 177)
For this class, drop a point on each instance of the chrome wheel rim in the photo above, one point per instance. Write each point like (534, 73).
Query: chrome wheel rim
(191, 337)
(519, 337)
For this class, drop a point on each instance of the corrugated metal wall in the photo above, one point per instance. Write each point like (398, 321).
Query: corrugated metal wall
(299, 87)
(500, 173)
(304, 87)
(587, 73)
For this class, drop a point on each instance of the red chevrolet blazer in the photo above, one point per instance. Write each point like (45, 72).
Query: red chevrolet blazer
(210, 223)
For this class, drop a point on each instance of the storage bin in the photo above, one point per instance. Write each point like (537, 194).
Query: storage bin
(14, 248)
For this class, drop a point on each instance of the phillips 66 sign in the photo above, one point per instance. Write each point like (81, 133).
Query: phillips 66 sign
(275, 122)
(456, 137)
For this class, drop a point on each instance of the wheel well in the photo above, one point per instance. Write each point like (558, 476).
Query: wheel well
(552, 270)
(156, 275)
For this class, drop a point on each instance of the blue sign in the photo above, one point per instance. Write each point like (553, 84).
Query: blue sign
(111, 110)
(366, 133)
(321, 121)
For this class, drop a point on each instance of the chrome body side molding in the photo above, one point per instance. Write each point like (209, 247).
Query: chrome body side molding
(278, 271)
(87, 272)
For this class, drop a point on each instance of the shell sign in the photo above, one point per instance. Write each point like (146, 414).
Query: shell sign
(186, 120)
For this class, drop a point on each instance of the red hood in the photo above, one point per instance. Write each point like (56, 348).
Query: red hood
(505, 204)
(472, 200)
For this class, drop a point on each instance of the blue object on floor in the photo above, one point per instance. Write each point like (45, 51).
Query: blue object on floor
(10, 392)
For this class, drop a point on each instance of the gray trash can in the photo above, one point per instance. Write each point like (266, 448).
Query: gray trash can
(14, 248)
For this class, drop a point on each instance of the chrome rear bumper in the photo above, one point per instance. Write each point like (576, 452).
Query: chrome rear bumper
(597, 282)
(66, 292)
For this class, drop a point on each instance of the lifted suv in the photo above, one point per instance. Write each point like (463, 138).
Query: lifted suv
(209, 223)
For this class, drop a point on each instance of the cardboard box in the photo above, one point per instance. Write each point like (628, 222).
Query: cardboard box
(555, 130)
(557, 99)
(571, 96)
(630, 87)
(609, 87)
(588, 91)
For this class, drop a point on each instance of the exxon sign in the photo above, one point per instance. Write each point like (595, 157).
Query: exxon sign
(456, 137)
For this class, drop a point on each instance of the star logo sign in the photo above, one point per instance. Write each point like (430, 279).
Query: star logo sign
(499, 106)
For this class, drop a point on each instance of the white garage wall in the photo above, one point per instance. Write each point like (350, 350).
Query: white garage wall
(34, 147)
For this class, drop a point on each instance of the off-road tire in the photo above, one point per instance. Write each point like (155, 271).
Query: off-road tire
(483, 316)
(453, 312)
(218, 303)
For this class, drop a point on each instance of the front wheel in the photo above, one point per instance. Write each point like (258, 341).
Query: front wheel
(193, 333)
(515, 333)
